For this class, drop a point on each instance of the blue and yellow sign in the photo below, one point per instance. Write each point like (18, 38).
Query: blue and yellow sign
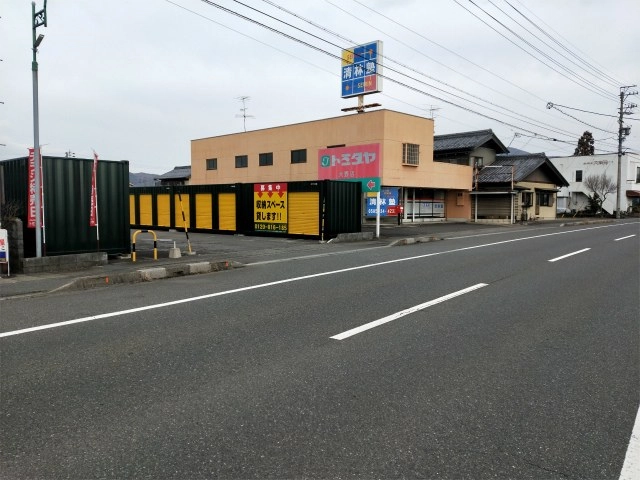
(361, 67)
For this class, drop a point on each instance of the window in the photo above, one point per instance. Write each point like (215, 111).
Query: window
(265, 159)
(545, 199)
(242, 161)
(410, 154)
(299, 156)
(637, 174)
(212, 163)
(578, 175)
(527, 199)
(477, 162)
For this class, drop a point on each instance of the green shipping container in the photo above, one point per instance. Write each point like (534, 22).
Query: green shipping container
(66, 184)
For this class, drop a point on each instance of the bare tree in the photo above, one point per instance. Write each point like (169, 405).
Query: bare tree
(599, 186)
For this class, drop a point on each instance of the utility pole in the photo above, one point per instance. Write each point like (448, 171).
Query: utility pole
(39, 19)
(623, 132)
(244, 115)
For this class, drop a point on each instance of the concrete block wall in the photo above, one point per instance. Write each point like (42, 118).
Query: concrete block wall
(62, 263)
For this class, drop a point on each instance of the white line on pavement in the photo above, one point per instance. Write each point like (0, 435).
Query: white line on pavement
(288, 280)
(623, 238)
(402, 313)
(631, 467)
(569, 255)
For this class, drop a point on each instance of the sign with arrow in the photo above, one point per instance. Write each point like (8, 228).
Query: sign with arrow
(371, 184)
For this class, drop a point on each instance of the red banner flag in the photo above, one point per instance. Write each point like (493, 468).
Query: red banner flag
(31, 211)
(93, 216)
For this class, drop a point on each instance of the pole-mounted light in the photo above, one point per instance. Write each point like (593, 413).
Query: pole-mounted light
(38, 19)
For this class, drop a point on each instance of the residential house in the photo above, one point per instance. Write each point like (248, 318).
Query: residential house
(177, 176)
(516, 187)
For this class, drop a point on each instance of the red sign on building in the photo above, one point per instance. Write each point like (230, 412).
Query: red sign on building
(349, 163)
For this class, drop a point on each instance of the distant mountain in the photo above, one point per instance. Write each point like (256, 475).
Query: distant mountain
(142, 179)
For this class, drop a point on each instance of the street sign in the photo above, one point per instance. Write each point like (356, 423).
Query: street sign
(371, 184)
(4, 248)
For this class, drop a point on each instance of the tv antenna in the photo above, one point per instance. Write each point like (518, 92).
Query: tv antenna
(432, 111)
(244, 115)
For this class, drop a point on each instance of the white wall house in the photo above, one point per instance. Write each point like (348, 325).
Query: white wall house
(577, 169)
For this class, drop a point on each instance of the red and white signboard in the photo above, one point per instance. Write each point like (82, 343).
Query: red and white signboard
(349, 163)
(93, 215)
(31, 194)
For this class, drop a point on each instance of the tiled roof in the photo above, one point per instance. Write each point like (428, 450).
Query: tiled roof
(523, 166)
(176, 173)
(468, 141)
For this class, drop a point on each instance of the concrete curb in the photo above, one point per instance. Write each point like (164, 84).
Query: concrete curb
(585, 222)
(147, 275)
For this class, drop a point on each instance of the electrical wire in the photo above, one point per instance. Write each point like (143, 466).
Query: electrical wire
(393, 80)
(603, 93)
(314, 47)
(590, 67)
(590, 72)
(615, 81)
(528, 120)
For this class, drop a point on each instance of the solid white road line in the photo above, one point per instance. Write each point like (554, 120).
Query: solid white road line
(402, 313)
(569, 255)
(295, 279)
(623, 238)
(631, 466)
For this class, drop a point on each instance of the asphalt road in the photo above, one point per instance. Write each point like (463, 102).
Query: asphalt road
(504, 356)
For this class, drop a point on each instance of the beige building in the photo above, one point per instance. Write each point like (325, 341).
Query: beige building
(427, 189)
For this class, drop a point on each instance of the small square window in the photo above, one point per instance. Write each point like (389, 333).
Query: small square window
(212, 163)
(242, 161)
(410, 154)
(299, 156)
(265, 159)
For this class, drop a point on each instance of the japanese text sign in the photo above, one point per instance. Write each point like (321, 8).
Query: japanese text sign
(361, 67)
(270, 207)
(349, 163)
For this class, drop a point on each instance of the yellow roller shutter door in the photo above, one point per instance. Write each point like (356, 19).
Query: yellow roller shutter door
(304, 213)
(146, 211)
(163, 204)
(203, 210)
(227, 211)
(132, 209)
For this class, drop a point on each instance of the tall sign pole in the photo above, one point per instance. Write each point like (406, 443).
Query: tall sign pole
(39, 19)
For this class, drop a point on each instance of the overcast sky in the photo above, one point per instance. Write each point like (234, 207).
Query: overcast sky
(137, 80)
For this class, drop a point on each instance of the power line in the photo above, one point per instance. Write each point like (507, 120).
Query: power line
(616, 82)
(592, 67)
(551, 105)
(530, 121)
(536, 124)
(590, 72)
(605, 94)
(584, 111)
(314, 47)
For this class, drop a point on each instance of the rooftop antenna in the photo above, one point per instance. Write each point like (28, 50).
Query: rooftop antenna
(244, 115)
(432, 110)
